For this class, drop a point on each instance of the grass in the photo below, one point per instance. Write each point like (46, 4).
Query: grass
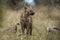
(43, 18)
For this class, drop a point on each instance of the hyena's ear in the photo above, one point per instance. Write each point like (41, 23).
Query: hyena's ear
(25, 8)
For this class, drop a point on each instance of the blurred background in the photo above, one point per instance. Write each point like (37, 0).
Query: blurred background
(47, 15)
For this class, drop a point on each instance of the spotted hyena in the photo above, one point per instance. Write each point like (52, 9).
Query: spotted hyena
(15, 28)
(26, 21)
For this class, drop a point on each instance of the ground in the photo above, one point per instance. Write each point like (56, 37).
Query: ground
(44, 17)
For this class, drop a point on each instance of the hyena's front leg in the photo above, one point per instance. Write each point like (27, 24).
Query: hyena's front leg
(22, 27)
(29, 25)
(31, 30)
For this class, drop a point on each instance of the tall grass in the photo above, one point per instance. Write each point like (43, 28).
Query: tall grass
(42, 19)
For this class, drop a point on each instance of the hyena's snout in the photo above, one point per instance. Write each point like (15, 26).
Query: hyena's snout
(31, 12)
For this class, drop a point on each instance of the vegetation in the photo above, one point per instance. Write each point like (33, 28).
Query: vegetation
(45, 16)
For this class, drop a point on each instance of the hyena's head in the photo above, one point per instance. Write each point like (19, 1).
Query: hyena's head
(29, 11)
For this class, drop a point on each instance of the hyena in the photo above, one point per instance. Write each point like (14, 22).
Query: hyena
(26, 21)
(12, 29)
(15, 28)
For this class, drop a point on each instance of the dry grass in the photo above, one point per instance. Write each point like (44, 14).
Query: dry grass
(44, 17)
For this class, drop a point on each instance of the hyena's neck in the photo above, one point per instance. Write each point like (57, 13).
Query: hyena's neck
(25, 15)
